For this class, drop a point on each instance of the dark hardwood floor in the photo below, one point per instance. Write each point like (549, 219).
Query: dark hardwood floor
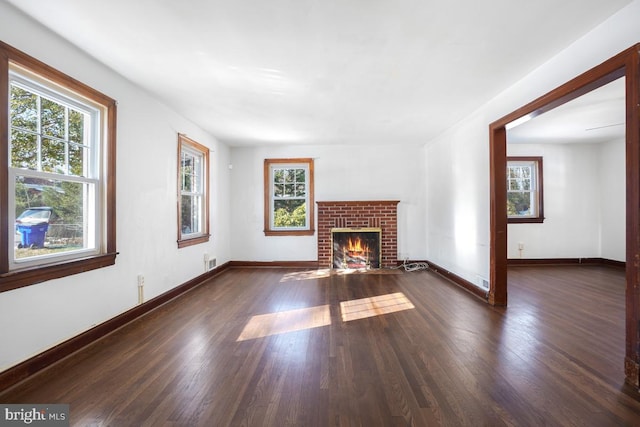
(278, 347)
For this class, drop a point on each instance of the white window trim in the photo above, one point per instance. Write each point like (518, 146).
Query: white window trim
(273, 198)
(93, 209)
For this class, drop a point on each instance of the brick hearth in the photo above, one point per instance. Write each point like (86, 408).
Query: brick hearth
(353, 214)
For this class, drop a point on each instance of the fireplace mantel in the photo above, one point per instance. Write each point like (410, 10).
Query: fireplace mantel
(358, 214)
(359, 202)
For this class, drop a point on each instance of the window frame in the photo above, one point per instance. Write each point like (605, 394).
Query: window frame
(269, 165)
(89, 178)
(12, 277)
(538, 217)
(186, 144)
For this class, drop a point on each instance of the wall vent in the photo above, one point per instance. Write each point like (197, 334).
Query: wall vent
(209, 262)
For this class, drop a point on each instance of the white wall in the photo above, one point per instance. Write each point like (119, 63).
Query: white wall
(341, 173)
(467, 144)
(612, 200)
(37, 317)
(457, 191)
(571, 185)
(584, 203)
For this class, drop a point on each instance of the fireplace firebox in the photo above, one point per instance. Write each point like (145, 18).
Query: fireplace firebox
(356, 248)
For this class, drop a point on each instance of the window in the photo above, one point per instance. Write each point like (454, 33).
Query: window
(193, 204)
(288, 197)
(57, 178)
(524, 189)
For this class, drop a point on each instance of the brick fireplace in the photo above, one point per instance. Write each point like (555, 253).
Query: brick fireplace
(381, 214)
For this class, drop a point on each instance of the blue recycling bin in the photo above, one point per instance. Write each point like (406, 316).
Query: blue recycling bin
(32, 225)
(32, 235)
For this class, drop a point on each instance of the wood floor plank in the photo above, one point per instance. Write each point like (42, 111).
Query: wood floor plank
(416, 350)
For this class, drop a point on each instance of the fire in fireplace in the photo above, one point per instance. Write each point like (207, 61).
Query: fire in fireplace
(355, 248)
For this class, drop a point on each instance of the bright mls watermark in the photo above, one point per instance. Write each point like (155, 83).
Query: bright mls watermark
(40, 415)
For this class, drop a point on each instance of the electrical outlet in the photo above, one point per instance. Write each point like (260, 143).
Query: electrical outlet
(140, 280)
(520, 246)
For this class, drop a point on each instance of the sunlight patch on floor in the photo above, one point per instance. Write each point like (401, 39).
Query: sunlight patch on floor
(264, 325)
(306, 275)
(374, 306)
(327, 272)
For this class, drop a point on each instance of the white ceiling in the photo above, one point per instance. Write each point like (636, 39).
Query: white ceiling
(322, 72)
(598, 116)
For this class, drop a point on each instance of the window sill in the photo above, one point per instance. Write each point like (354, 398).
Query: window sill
(193, 241)
(31, 276)
(525, 220)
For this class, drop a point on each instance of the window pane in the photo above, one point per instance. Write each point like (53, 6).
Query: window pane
(289, 190)
(186, 182)
(196, 175)
(187, 162)
(24, 109)
(77, 159)
(289, 175)
(196, 218)
(53, 118)
(278, 175)
(186, 214)
(24, 150)
(289, 213)
(278, 190)
(53, 156)
(189, 167)
(186, 177)
(76, 126)
(50, 217)
(190, 214)
(300, 175)
(57, 125)
(519, 203)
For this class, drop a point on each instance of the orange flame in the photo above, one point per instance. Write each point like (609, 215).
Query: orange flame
(356, 246)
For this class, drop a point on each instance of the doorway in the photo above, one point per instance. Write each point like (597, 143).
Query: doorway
(627, 64)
